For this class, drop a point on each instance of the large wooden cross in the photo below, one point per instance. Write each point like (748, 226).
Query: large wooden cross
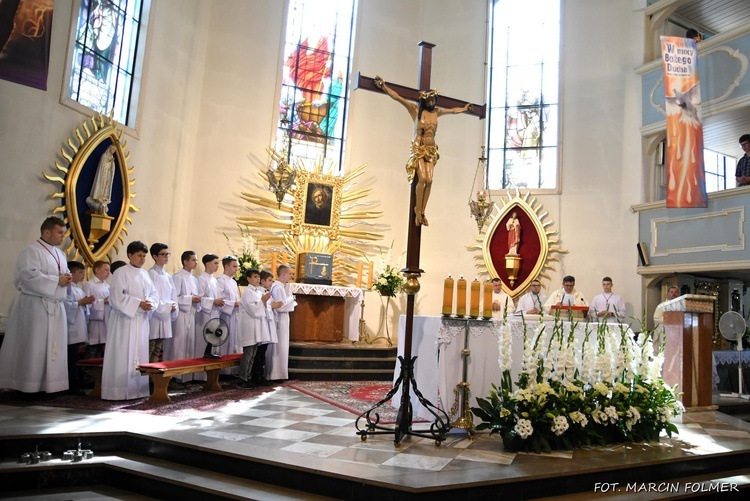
(412, 271)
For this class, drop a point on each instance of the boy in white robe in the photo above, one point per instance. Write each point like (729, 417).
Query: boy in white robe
(607, 306)
(98, 288)
(77, 310)
(160, 325)
(33, 357)
(182, 344)
(133, 297)
(270, 335)
(210, 305)
(277, 356)
(229, 290)
(251, 326)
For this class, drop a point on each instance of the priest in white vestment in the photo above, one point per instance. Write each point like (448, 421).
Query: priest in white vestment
(672, 293)
(98, 288)
(34, 354)
(160, 324)
(277, 356)
(502, 304)
(607, 306)
(532, 303)
(182, 344)
(565, 296)
(133, 297)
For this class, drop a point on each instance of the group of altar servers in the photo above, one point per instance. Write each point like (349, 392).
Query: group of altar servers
(138, 315)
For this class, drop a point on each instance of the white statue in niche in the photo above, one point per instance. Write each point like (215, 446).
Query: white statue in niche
(101, 192)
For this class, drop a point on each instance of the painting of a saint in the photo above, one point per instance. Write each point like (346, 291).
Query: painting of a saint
(318, 204)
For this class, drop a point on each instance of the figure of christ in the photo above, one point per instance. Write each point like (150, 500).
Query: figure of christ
(423, 152)
(514, 233)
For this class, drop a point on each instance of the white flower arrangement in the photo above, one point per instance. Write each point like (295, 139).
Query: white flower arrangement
(607, 390)
(247, 255)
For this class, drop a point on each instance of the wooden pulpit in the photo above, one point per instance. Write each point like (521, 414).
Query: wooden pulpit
(688, 331)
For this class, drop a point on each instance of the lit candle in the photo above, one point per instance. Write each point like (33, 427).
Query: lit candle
(487, 302)
(461, 297)
(359, 274)
(274, 255)
(448, 296)
(474, 308)
(369, 276)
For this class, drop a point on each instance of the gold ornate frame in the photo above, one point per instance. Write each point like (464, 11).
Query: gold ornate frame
(304, 179)
(83, 143)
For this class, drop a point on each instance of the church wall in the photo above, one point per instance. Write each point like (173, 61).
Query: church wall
(34, 126)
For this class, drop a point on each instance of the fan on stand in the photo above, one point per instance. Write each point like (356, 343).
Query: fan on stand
(732, 327)
(216, 333)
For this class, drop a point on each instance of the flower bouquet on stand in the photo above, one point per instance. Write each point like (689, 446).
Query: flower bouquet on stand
(606, 390)
(247, 255)
(388, 280)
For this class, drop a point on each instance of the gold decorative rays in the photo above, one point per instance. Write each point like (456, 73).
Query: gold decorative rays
(96, 188)
(326, 214)
(534, 256)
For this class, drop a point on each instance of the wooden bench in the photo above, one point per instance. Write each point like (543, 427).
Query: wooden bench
(95, 366)
(162, 372)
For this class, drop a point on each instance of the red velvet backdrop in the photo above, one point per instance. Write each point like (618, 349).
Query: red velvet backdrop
(529, 249)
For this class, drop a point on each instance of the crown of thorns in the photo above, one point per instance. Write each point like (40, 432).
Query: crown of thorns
(428, 94)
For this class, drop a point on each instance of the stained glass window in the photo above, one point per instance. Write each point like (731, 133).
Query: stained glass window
(524, 112)
(103, 69)
(315, 79)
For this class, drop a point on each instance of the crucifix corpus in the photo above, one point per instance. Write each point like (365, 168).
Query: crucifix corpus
(424, 108)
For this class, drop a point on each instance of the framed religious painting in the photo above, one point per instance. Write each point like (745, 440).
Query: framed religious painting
(317, 204)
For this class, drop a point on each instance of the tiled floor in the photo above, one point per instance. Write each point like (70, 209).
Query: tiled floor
(292, 428)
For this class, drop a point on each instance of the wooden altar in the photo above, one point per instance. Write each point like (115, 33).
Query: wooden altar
(324, 313)
(688, 356)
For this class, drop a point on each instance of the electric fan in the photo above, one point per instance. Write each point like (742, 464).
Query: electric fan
(732, 327)
(216, 333)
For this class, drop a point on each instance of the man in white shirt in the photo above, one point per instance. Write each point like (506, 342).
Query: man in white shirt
(565, 296)
(500, 300)
(532, 303)
(160, 324)
(230, 292)
(33, 357)
(607, 306)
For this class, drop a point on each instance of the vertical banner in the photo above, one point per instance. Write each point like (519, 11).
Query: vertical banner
(25, 36)
(686, 179)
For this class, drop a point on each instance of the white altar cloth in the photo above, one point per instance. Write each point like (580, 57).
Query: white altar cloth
(439, 366)
(352, 297)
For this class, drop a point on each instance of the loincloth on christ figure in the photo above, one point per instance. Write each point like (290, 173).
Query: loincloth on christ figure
(417, 152)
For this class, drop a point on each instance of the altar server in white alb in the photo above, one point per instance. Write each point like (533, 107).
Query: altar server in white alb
(229, 290)
(210, 305)
(277, 356)
(259, 364)
(532, 303)
(182, 344)
(77, 310)
(98, 288)
(34, 357)
(565, 296)
(251, 325)
(133, 298)
(160, 325)
(607, 306)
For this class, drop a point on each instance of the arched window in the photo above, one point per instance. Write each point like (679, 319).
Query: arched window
(524, 82)
(315, 78)
(105, 62)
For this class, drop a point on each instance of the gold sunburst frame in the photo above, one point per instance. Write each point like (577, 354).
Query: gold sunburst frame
(78, 151)
(549, 250)
(351, 235)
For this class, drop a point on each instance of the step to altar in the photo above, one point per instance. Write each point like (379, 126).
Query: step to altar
(345, 361)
